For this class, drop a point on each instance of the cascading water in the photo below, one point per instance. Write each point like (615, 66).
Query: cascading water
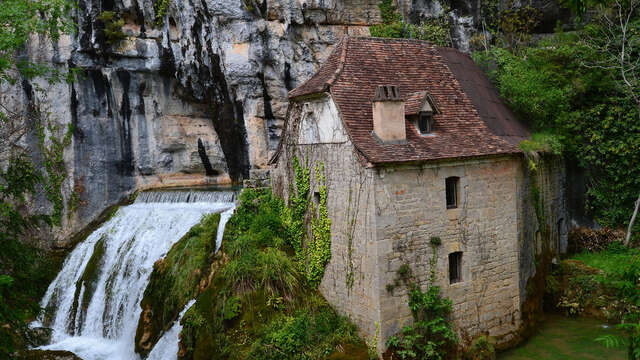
(93, 305)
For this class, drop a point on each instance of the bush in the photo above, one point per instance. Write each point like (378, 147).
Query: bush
(434, 30)
(431, 336)
(113, 24)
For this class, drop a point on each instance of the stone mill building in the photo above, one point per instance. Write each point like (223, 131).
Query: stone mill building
(416, 145)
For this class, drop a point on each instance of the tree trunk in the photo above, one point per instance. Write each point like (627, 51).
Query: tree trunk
(633, 219)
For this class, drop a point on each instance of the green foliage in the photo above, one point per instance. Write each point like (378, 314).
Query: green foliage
(295, 213)
(431, 336)
(481, 348)
(53, 162)
(435, 241)
(609, 260)
(257, 305)
(320, 248)
(20, 19)
(434, 30)
(161, 7)
(581, 111)
(112, 27)
(25, 271)
(314, 255)
(543, 143)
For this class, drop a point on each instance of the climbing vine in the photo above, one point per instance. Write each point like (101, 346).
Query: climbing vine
(53, 162)
(351, 223)
(320, 248)
(314, 255)
(431, 336)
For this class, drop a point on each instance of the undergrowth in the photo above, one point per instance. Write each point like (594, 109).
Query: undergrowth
(258, 304)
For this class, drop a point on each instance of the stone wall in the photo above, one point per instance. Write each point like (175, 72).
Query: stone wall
(411, 208)
(542, 233)
(351, 273)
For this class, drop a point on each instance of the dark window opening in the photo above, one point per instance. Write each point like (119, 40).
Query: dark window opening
(425, 123)
(452, 192)
(455, 267)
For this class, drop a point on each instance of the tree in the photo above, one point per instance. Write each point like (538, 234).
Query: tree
(615, 35)
(22, 276)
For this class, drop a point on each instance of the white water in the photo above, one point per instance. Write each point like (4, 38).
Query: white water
(104, 326)
(167, 347)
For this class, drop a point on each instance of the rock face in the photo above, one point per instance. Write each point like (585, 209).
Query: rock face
(196, 96)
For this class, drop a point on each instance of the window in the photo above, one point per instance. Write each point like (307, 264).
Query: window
(425, 123)
(452, 192)
(455, 267)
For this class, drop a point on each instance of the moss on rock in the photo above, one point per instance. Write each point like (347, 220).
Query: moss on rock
(257, 304)
(177, 278)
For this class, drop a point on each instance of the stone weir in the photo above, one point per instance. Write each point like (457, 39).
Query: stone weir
(187, 196)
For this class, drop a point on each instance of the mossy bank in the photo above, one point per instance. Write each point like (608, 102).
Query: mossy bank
(253, 301)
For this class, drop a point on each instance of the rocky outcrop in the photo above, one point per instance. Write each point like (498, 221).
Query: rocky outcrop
(195, 96)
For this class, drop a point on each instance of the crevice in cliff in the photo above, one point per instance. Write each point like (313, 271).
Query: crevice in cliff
(209, 170)
(126, 164)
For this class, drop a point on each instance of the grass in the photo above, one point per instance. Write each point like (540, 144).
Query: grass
(565, 338)
(609, 260)
(257, 305)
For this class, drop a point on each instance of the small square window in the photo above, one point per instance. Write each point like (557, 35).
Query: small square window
(455, 267)
(452, 191)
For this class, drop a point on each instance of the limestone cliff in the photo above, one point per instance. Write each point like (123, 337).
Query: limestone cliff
(195, 96)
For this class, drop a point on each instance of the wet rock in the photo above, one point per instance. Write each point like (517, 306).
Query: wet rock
(38, 336)
(47, 355)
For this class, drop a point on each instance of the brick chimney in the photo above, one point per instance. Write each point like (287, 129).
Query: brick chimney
(388, 115)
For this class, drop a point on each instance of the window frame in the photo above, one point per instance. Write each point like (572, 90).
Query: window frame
(428, 118)
(453, 181)
(455, 266)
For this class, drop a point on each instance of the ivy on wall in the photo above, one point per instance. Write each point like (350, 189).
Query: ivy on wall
(53, 162)
(312, 254)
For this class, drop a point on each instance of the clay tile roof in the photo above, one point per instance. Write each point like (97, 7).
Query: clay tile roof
(413, 102)
(358, 65)
(484, 96)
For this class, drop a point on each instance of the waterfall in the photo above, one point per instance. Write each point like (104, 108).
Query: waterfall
(167, 346)
(93, 305)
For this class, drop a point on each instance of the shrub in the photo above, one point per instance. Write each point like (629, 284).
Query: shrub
(431, 336)
(112, 27)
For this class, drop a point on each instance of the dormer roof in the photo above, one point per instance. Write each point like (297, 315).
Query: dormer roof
(418, 102)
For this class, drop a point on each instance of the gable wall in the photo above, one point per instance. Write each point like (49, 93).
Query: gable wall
(314, 136)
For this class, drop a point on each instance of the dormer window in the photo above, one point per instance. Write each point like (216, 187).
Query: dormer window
(425, 122)
(419, 110)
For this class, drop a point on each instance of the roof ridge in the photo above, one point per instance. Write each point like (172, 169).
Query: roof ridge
(343, 57)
